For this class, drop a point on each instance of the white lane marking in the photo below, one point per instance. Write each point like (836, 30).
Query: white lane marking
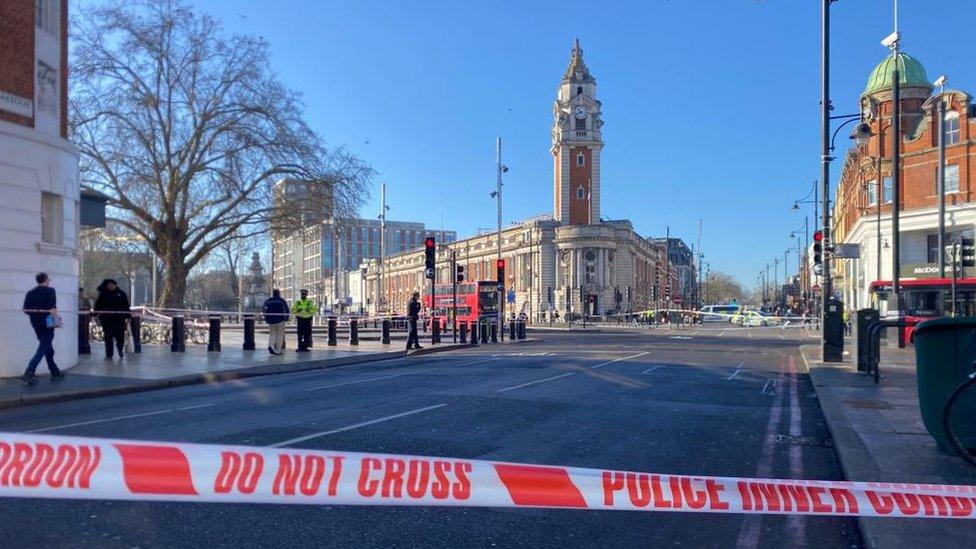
(354, 382)
(536, 382)
(738, 370)
(652, 368)
(680, 337)
(471, 363)
(770, 387)
(609, 362)
(92, 422)
(354, 426)
(196, 407)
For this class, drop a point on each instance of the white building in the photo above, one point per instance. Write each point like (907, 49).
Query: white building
(39, 194)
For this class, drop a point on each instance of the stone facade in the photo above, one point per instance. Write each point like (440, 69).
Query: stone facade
(39, 194)
(571, 262)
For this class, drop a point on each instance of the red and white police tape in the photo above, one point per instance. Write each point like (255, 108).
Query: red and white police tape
(41, 466)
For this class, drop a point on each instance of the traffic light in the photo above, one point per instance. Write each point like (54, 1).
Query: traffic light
(818, 247)
(500, 270)
(430, 248)
(459, 273)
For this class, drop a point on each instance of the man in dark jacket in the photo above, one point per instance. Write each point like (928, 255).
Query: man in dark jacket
(413, 315)
(39, 305)
(112, 309)
(276, 314)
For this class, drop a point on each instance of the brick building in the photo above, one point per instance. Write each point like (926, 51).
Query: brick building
(862, 208)
(39, 193)
(572, 261)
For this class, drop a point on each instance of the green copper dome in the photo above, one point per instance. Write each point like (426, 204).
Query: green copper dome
(910, 73)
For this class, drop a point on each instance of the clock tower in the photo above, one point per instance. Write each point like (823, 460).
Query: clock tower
(576, 145)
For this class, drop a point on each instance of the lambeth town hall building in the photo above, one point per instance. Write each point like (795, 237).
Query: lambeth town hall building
(570, 262)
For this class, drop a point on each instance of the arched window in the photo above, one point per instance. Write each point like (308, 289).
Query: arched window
(951, 126)
(579, 193)
(580, 160)
(579, 90)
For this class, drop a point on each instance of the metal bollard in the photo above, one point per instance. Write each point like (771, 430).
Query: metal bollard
(135, 323)
(494, 332)
(464, 332)
(331, 330)
(353, 332)
(484, 332)
(178, 335)
(385, 338)
(84, 334)
(521, 330)
(249, 333)
(213, 341)
(474, 332)
(511, 329)
(435, 331)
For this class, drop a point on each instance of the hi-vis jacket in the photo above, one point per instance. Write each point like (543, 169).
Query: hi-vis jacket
(303, 308)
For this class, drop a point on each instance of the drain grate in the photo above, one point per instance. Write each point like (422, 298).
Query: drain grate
(805, 441)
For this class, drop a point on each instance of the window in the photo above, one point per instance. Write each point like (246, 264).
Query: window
(590, 272)
(951, 178)
(872, 191)
(580, 160)
(886, 190)
(581, 124)
(579, 90)
(52, 218)
(951, 127)
(579, 193)
(46, 16)
(951, 237)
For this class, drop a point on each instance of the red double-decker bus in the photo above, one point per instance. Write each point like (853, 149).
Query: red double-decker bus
(475, 301)
(926, 298)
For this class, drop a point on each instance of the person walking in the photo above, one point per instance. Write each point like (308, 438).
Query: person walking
(276, 314)
(413, 315)
(84, 320)
(112, 310)
(41, 307)
(304, 310)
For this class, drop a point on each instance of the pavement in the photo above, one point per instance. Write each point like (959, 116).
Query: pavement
(718, 402)
(878, 432)
(158, 368)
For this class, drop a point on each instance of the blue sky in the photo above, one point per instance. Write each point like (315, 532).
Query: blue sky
(711, 107)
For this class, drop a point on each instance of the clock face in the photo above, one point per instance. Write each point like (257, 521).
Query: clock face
(580, 112)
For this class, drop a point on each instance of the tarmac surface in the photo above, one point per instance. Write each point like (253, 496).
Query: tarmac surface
(729, 402)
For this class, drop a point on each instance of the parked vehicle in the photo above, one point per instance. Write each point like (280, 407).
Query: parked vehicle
(718, 313)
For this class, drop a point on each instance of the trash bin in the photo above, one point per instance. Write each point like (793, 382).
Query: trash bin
(945, 349)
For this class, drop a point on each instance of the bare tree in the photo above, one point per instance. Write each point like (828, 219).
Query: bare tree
(187, 131)
(722, 288)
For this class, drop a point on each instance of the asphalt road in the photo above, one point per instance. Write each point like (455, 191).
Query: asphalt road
(693, 402)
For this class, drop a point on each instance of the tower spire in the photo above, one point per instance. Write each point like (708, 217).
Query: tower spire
(577, 70)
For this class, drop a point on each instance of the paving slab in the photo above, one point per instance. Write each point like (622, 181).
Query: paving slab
(879, 436)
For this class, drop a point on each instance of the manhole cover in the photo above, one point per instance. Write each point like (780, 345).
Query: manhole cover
(869, 404)
(806, 441)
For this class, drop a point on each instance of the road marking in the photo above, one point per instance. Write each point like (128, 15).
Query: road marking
(355, 426)
(344, 383)
(472, 362)
(770, 387)
(536, 382)
(196, 407)
(652, 368)
(92, 422)
(607, 363)
(680, 337)
(738, 370)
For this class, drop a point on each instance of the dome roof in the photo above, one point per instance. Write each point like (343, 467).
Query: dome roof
(910, 73)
